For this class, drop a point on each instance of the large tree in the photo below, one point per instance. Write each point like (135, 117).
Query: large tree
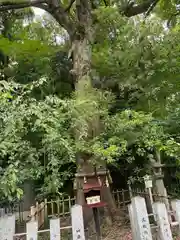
(79, 19)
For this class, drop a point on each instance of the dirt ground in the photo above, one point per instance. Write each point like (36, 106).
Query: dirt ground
(118, 231)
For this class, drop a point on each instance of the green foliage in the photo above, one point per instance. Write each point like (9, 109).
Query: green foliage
(37, 136)
(167, 8)
(34, 141)
(139, 55)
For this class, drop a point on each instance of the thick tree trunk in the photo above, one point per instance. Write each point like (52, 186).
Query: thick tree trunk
(82, 51)
(82, 68)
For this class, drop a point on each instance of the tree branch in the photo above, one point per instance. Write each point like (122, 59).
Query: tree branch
(135, 9)
(69, 6)
(151, 8)
(56, 11)
(5, 6)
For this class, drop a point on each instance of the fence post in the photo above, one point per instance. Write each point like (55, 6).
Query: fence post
(123, 199)
(132, 221)
(175, 204)
(45, 212)
(32, 230)
(77, 222)
(163, 221)
(33, 213)
(55, 232)
(2, 212)
(7, 227)
(142, 226)
(41, 213)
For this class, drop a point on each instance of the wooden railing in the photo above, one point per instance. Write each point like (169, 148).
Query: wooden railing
(47, 209)
(38, 213)
(61, 207)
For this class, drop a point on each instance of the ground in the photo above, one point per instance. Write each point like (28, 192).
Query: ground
(119, 231)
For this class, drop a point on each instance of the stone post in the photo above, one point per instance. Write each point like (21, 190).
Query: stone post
(162, 221)
(139, 219)
(158, 176)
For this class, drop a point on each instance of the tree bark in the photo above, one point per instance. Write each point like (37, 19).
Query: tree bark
(82, 51)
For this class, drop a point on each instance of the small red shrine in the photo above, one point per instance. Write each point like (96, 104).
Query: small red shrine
(91, 185)
(92, 192)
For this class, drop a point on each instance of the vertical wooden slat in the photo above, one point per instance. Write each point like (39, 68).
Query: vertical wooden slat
(52, 207)
(37, 213)
(55, 233)
(123, 199)
(133, 192)
(58, 206)
(19, 213)
(69, 202)
(45, 213)
(130, 191)
(22, 215)
(63, 207)
(2, 212)
(32, 213)
(118, 198)
(136, 192)
(39, 216)
(42, 213)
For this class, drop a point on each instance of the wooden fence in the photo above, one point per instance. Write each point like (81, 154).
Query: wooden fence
(7, 227)
(61, 207)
